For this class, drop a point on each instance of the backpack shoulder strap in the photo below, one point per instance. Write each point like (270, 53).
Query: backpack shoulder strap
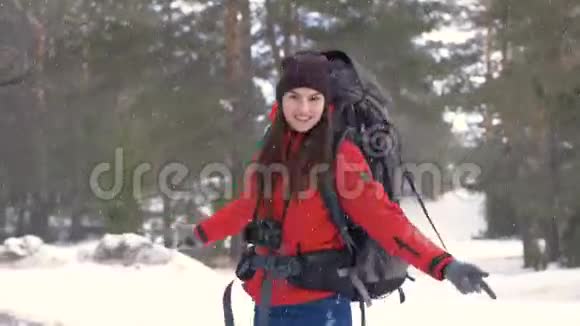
(332, 202)
(337, 215)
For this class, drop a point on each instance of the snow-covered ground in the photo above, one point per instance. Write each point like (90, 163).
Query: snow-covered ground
(70, 289)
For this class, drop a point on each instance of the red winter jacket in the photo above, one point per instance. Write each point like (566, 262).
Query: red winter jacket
(308, 225)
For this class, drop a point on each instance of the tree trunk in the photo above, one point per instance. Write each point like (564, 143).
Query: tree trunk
(526, 236)
(167, 220)
(295, 25)
(489, 47)
(3, 206)
(287, 29)
(571, 241)
(40, 202)
(271, 33)
(505, 44)
(40, 209)
(233, 42)
(553, 234)
(15, 41)
(79, 192)
(76, 229)
(500, 214)
(21, 219)
(245, 26)
(239, 82)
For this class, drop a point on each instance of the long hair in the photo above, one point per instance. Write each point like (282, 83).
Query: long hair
(310, 162)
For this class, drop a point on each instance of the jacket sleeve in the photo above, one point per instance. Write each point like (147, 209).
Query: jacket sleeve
(231, 218)
(366, 203)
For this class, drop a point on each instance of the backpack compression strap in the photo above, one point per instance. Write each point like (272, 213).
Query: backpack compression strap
(407, 175)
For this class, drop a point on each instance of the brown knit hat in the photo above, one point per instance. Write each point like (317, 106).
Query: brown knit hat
(304, 69)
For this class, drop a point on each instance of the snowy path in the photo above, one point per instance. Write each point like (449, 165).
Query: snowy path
(187, 293)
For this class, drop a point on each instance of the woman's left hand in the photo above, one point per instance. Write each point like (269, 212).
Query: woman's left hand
(467, 278)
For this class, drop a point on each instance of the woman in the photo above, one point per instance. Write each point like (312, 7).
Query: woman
(299, 146)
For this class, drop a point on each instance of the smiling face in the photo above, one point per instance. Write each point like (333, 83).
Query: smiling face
(302, 108)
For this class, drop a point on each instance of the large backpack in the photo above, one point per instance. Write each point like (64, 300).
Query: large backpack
(362, 115)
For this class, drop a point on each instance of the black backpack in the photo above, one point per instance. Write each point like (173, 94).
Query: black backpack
(361, 114)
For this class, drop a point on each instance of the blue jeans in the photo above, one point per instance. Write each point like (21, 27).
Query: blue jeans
(333, 311)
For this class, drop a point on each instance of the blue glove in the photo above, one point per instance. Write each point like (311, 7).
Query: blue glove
(467, 278)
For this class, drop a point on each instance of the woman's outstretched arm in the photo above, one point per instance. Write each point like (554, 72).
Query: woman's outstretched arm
(227, 221)
(366, 203)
